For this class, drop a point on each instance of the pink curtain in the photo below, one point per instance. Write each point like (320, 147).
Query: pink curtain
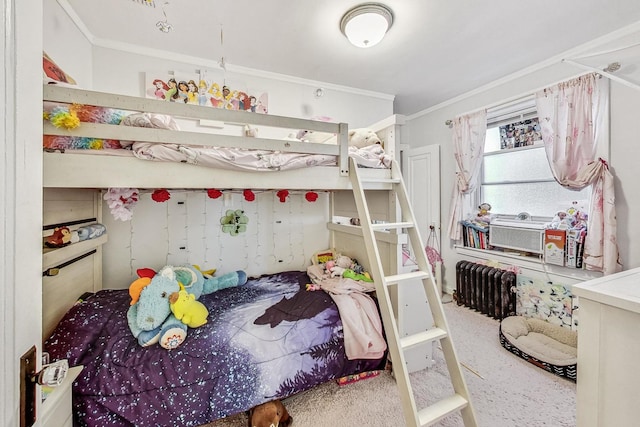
(570, 119)
(469, 132)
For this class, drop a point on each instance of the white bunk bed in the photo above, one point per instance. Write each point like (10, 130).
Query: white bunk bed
(94, 169)
(73, 183)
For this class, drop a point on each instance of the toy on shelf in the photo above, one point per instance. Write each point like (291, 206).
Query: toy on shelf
(63, 236)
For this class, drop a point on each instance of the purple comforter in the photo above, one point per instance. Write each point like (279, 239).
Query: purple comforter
(266, 340)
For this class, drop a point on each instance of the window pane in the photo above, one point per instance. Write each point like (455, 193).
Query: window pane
(492, 140)
(522, 165)
(538, 199)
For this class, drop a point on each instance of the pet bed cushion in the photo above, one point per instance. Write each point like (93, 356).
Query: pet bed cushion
(548, 346)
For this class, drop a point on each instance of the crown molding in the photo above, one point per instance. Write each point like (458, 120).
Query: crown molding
(557, 59)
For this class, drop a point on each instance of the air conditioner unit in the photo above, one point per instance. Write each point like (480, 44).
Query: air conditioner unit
(521, 235)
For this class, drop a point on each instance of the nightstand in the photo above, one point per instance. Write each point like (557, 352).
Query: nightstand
(56, 410)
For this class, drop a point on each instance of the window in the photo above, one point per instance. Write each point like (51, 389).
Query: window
(516, 177)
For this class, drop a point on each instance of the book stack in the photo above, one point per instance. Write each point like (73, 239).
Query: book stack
(475, 235)
(575, 247)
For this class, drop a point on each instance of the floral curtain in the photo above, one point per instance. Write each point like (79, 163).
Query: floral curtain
(571, 116)
(469, 132)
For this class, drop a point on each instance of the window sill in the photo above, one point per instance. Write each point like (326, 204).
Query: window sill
(529, 263)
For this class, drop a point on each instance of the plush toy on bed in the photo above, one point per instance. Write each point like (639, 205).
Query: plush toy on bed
(363, 137)
(150, 318)
(187, 309)
(343, 266)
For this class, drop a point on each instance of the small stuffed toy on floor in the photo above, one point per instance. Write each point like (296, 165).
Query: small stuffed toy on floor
(270, 414)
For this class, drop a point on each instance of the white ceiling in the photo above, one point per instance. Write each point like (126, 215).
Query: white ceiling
(436, 49)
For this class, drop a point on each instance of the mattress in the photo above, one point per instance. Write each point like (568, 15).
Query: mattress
(268, 339)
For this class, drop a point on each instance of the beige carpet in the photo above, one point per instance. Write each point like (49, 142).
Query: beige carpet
(505, 390)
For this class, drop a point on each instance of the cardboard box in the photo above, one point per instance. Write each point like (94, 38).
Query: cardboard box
(554, 246)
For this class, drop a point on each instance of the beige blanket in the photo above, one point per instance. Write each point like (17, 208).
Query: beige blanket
(361, 323)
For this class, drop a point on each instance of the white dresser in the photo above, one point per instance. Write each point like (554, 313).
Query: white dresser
(609, 350)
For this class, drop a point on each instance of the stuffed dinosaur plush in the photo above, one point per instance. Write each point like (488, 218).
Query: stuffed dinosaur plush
(150, 318)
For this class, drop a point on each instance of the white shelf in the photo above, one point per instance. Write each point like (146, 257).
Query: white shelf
(528, 262)
(52, 257)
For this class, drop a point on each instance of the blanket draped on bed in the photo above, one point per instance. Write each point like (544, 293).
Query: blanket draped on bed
(372, 156)
(265, 340)
(363, 337)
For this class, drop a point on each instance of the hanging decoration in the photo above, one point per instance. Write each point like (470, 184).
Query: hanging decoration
(249, 196)
(234, 222)
(311, 196)
(222, 63)
(121, 202)
(164, 26)
(282, 195)
(213, 193)
(161, 195)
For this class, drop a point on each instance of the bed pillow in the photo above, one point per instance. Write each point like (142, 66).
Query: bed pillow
(148, 120)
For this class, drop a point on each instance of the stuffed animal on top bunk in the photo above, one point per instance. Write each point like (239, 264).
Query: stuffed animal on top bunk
(151, 317)
(363, 137)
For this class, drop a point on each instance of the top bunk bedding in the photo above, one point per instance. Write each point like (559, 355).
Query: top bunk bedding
(96, 140)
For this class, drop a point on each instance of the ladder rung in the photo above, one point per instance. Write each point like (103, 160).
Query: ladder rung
(381, 180)
(423, 337)
(407, 276)
(441, 409)
(385, 225)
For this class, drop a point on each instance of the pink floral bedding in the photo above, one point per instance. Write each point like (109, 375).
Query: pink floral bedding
(372, 156)
(254, 160)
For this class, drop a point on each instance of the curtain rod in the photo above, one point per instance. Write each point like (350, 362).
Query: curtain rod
(604, 73)
(517, 98)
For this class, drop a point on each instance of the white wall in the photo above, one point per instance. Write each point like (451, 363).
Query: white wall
(117, 71)
(429, 128)
(65, 44)
(186, 230)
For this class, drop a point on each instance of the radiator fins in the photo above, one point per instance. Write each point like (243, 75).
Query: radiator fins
(489, 290)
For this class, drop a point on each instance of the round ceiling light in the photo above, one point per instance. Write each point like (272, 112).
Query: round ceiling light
(365, 25)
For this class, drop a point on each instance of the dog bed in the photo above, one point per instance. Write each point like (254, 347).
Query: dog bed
(548, 346)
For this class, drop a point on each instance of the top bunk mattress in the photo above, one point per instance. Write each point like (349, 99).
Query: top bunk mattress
(84, 138)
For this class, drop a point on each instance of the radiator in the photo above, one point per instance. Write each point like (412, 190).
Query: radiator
(489, 290)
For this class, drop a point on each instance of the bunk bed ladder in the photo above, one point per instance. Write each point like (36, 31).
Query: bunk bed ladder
(459, 400)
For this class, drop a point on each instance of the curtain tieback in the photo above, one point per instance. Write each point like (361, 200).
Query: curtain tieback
(463, 183)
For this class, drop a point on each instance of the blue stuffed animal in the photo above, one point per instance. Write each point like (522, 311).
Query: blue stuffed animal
(150, 318)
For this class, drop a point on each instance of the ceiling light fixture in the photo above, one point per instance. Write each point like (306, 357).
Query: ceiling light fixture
(365, 25)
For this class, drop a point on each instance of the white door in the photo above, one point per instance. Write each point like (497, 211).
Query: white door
(421, 173)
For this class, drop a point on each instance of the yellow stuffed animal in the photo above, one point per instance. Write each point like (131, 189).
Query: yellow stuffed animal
(186, 309)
